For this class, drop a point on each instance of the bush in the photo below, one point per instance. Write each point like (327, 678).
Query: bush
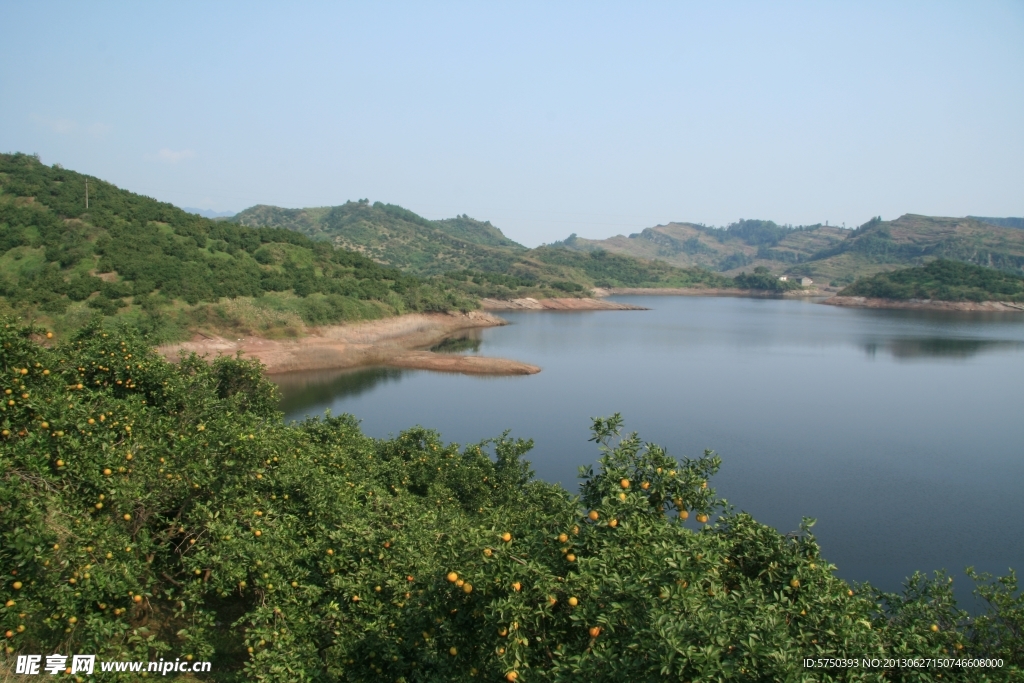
(150, 510)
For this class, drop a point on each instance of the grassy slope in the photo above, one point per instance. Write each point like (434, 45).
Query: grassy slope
(474, 255)
(941, 280)
(167, 272)
(825, 253)
(729, 251)
(395, 236)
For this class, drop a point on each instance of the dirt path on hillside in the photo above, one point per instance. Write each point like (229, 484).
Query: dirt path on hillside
(397, 342)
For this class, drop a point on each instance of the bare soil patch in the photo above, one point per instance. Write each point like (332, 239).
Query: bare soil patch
(397, 342)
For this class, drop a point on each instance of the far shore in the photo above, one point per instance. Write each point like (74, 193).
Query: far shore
(924, 304)
(706, 291)
(397, 342)
(556, 304)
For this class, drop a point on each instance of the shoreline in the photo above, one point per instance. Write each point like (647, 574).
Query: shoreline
(708, 291)
(556, 304)
(395, 342)
(925, 304)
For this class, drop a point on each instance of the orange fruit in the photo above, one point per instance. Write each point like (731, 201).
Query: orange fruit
(452, 577)
(573, 602)
(467, 588)
(503, 632)
(127, 517)
(107, 472)
(506, 537)
(613, 523)
(795, 583)
(570, 557)
(646, 485)
(511, 676)
(562, 538)
(330, 551)
(622, 497)
(593, 515)
(137, 598)
(595, 631)
(16, 585)
(935, 627)
(355, 598)
(624, 483)
(452, 651)
(258, 532)
(683, 514)
(516, 586)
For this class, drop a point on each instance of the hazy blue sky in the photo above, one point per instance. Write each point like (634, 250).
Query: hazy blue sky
(545, 118)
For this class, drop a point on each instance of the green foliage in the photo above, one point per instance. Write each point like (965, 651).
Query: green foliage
(763, 280)
(941, 280)
(606, 269)
(147, 247)
(149, 510)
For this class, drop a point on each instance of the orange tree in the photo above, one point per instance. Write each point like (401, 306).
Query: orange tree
(154, 510)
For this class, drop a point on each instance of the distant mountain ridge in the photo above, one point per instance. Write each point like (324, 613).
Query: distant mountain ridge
(474, 254)
(208, 213)
(823, 252)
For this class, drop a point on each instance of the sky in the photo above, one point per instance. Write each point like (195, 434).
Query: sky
(544, 118)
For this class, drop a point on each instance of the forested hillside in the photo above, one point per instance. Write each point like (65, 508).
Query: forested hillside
(166, 270)
(473, 254)
(941, 280)
(395, 236)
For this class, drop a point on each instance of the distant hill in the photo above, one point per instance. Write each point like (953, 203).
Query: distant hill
(395, 236)
(827, 254)
(941, 280)
(743, 245)
(166, 271)
(208, 213)
(472, 253)
(912, 240)
(1002, 222)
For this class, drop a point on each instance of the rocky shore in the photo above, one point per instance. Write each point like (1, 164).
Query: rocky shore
(396, 342)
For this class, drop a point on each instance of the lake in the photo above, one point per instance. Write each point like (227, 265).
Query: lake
(901, 432)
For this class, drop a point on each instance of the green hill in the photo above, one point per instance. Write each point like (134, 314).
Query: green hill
(474, 255)
(744, 244)
(827, 254)
(168, 271)
(395, 236)
(941, 280)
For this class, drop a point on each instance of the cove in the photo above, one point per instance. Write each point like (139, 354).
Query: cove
(899, 431)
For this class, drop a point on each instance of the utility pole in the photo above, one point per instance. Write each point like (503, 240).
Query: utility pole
(86, 194)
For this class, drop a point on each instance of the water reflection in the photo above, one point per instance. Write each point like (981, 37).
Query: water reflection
(302, 390)
(938, 347)
(468, 341)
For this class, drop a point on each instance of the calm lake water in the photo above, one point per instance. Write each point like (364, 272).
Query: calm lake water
(902, 432)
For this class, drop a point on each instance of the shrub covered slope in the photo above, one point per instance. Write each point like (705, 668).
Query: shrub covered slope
(941, 280)
(150, 510)
(132, 257)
